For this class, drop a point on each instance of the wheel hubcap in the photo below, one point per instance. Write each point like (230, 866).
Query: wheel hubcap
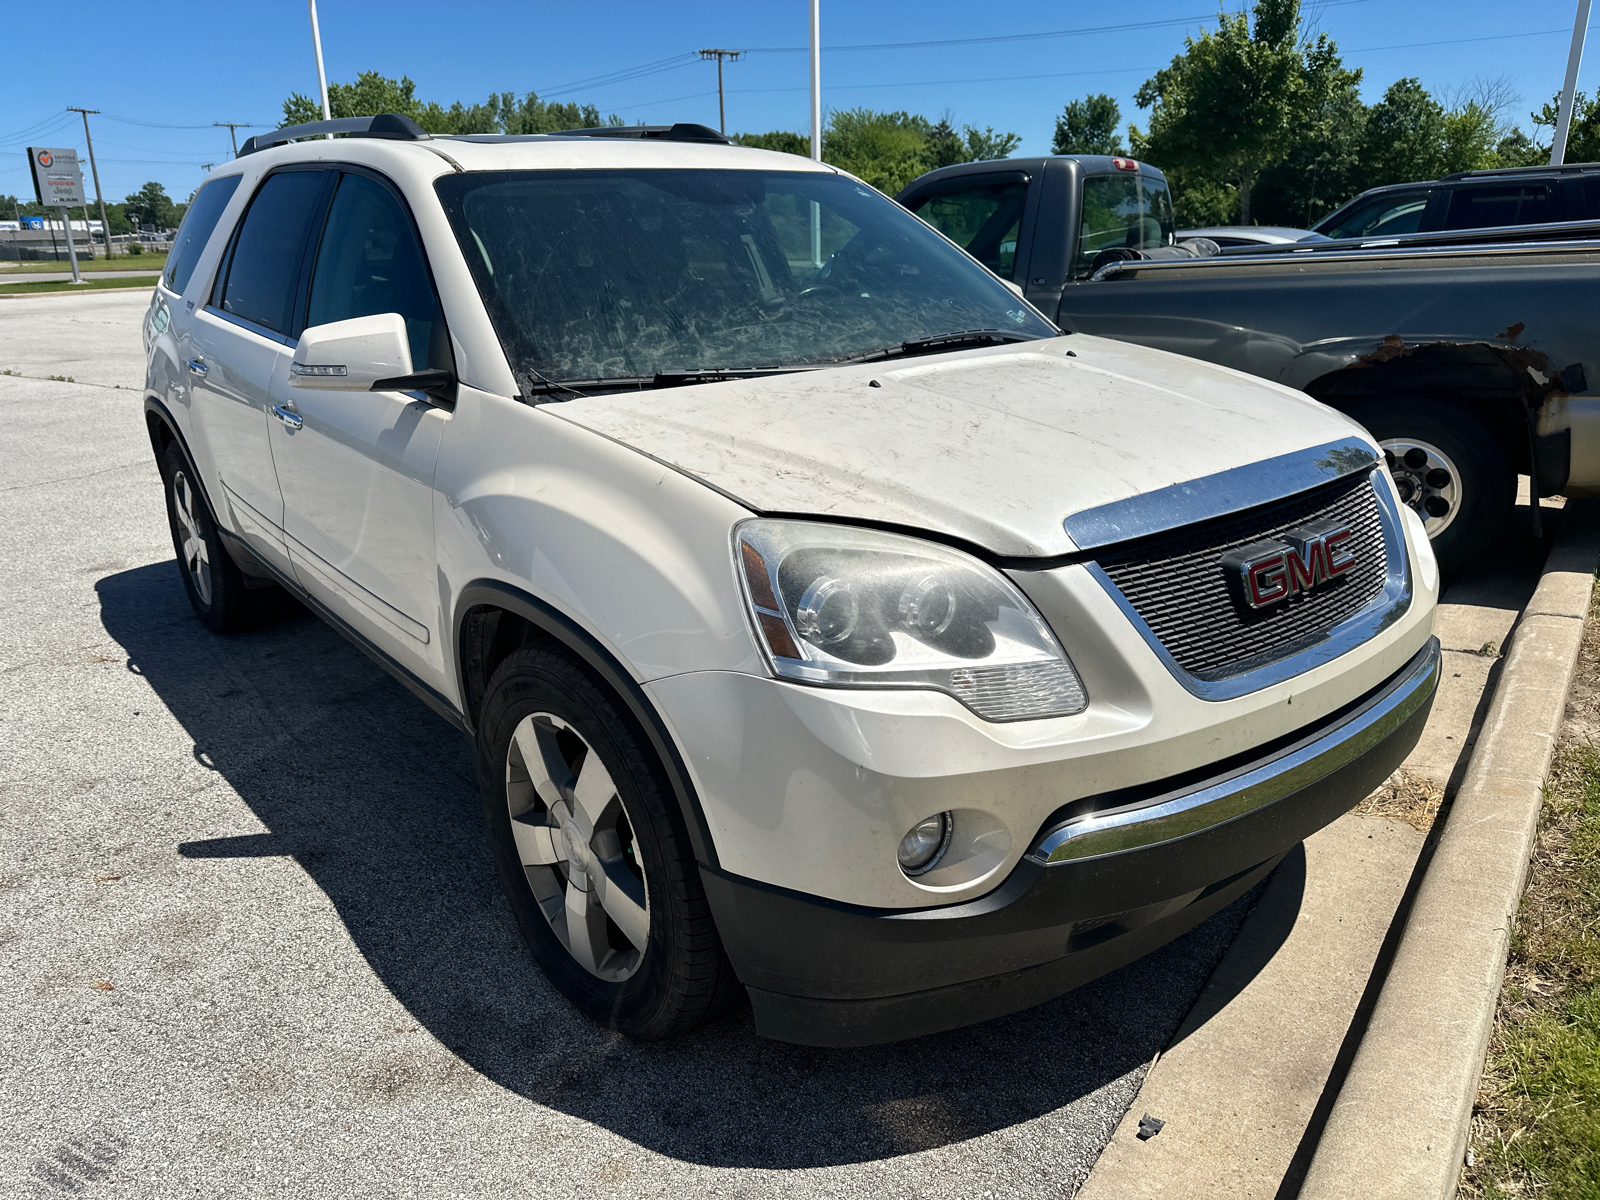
(1427, 481)
(577, 847)
(196, 558)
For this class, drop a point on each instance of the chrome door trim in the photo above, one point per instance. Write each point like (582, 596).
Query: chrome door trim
(1173, 817)
(259, 330)
(1211, 496)
(1384, 609)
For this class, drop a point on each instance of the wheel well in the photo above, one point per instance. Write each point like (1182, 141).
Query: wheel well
(160, 433)
(1472, 378)
(489, 635)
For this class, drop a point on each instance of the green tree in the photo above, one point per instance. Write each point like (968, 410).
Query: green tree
(1583, 134)
(1405, 136)
(151, 205)
(778, 139)
(1321, 172)
(1089, 126)
(503, 112)
(886, 149)
(1239, 98)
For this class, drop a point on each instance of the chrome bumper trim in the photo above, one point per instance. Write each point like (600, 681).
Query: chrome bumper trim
(1213, 804)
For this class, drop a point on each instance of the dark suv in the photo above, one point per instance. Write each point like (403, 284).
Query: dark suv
(1471, 200)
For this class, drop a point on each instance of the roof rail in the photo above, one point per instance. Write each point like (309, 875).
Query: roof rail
(681, 132)
(1536, 170)
(392, 126)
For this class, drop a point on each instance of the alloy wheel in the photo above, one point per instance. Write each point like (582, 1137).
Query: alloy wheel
(577, 846)
(1427, 480)
(196, 558)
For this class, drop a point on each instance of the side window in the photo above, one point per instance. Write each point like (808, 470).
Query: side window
(1484, 207)
(370, 263)
(1392, 212)
(264, 269)
(205, 210)
(981, 218)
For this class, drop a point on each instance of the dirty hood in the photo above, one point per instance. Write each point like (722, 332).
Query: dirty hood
(995, 446)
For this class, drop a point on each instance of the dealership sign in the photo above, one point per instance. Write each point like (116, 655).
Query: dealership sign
(57, 178)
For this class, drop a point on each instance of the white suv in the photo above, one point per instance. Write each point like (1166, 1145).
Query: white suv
(830, 628)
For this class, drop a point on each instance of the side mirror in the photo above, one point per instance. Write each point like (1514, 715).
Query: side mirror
(363, 354)
(1014, 286)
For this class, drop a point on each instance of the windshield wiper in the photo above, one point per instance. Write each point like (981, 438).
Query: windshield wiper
(938, 342)
(639, 383)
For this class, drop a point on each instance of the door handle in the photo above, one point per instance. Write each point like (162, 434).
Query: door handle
(196, 367)
(292, 419)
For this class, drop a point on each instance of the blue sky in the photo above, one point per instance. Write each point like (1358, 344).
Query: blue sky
(205, 62)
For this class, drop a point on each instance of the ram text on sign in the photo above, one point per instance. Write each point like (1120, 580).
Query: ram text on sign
(57, 177)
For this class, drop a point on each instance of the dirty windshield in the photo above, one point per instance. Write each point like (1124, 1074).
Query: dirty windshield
(625, 274)
(1122, 210)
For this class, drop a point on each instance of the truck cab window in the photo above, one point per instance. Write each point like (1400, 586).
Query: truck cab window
(1122, 210)
(370, 263)
(981, 218)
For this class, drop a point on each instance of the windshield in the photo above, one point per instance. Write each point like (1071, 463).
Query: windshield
(615, 274)
(1122, 210)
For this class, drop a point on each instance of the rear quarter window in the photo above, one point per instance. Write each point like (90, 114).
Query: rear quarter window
(1514, 204)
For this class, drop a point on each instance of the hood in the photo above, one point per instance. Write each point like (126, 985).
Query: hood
(995, 447)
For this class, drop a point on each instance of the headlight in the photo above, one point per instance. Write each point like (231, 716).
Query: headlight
(854, 607)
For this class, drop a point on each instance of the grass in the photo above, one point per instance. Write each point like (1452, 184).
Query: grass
(89, 285)
(154, 263)
(1536, 1125)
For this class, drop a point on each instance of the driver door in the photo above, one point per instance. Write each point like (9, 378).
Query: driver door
(356, 468)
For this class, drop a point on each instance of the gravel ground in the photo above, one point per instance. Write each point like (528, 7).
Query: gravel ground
(251, 943)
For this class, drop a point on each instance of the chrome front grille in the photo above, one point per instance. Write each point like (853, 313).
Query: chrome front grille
(1177, 584)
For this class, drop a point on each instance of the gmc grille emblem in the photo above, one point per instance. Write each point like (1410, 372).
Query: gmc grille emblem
(1269, 572)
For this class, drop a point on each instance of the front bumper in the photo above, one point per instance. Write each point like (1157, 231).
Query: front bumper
(1108, 879)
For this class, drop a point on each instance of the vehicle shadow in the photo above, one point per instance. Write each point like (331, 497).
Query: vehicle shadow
(375, 798)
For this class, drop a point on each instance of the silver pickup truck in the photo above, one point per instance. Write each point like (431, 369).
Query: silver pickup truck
(1466, 356)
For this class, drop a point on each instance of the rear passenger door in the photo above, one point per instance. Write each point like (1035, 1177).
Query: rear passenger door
(356, 468)
(238, 343)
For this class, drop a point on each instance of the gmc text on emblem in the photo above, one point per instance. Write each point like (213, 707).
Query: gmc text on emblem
(1271, 571)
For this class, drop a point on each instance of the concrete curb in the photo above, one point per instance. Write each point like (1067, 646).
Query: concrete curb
(1398, 1130)
(116, 291)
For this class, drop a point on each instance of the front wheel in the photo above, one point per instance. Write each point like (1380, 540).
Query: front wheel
(1450, 469)
(593, 853)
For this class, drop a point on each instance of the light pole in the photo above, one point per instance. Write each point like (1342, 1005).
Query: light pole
(1580, 27)
(816, 82)
(105, 226)
(322, 75)
(719, 55)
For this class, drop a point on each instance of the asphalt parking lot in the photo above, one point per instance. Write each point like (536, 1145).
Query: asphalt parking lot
(251, 942)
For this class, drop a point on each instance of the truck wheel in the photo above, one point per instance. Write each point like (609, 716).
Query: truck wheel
(593, 853)
(213, 582)
(1450, 469)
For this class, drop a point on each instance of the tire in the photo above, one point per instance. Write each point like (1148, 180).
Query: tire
(1430, 441)
(214, 584)
(598, 868)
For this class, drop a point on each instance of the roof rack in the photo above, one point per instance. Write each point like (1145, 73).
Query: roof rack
(391, 126)
(1544, 170)
(683, 131)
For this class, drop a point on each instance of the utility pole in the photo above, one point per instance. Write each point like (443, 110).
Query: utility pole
(233, 137)
(1580, 27)
(105, 225)
(722, 109)
(322, 75)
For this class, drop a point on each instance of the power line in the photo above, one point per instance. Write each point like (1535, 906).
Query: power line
(232, 125)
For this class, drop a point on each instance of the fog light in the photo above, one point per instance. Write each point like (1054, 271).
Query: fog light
(923, 847)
